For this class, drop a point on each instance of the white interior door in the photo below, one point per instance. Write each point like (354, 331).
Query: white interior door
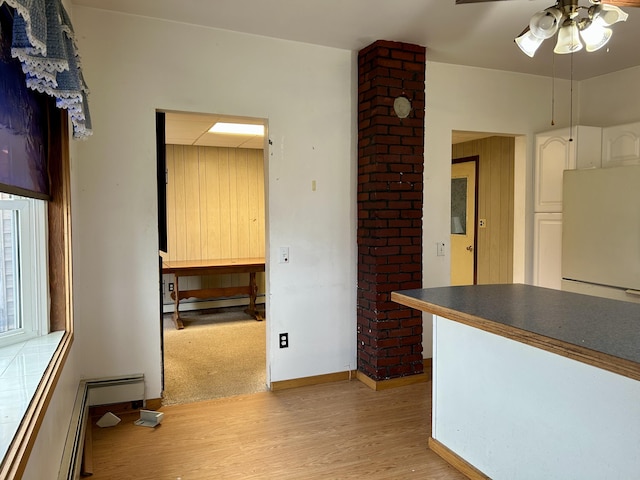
(463, 214)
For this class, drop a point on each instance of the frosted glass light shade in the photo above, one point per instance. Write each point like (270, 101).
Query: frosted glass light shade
(606, 15)
(529, 43)
(545, 24)
(568, 39)
(595, 36)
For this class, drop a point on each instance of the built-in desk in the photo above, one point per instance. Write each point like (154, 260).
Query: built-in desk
(532, 383)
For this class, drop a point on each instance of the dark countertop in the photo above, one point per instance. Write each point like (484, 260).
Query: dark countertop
(586, 328)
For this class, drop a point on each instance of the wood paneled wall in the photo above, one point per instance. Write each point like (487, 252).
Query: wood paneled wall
(215, 208)
(215, 203)
(495, 205)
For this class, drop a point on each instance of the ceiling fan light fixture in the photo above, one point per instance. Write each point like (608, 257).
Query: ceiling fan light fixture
(573, 24)
(568, 38)
(528, 42)
(595, 36)
(545, 24)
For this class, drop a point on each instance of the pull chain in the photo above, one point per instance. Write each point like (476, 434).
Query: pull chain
(571, 104)
(553, 89)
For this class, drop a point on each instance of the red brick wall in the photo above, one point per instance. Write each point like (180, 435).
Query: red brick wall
(390, 167)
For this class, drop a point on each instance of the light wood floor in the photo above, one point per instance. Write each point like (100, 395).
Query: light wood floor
(341, 430)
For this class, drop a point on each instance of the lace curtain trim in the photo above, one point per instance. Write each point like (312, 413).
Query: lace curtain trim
(45, 44)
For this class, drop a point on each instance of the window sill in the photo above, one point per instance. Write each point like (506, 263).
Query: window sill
(22, 367)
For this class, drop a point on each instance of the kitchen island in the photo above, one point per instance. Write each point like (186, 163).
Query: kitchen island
(532, 383)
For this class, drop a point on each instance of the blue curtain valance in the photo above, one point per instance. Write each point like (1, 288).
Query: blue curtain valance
(44, 42)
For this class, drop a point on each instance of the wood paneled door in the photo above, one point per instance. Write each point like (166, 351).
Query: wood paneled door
(463, 220)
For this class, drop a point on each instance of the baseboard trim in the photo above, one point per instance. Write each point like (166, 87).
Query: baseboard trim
(314, 380)
(153, 404)
(428, 367)
(456, 461)
(376, 385)
(351, 374)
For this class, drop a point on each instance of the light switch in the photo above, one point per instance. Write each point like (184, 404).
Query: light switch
(284, 255)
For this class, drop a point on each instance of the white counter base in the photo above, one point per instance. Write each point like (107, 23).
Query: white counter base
(516, 412)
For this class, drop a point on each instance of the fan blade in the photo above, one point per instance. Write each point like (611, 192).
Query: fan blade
(623, 3)
(618, 3)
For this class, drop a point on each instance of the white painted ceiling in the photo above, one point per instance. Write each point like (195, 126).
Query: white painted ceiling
(193, 129)
(478, 34)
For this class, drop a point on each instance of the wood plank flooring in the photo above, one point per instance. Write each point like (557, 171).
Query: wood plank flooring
(341, 430)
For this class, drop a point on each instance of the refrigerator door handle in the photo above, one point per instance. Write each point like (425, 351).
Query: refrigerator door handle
(633, 292)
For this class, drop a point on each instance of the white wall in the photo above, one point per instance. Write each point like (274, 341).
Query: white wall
(610, 99)
(134, 65)
(476, 99)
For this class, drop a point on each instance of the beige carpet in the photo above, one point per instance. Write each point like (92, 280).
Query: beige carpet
(217, 354)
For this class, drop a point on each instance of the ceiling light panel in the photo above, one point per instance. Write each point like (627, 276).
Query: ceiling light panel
(237, 128)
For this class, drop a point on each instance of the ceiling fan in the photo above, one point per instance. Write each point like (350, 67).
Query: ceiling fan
(572, 22)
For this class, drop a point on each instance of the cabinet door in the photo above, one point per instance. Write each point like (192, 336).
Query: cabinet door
(588, 146)
(557, 151)
(554, 155)
(547, 253)
(621, 145)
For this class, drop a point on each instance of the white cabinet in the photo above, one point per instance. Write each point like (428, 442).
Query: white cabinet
(554, 154)
(557, 151)
(547, 254)
(621, 145)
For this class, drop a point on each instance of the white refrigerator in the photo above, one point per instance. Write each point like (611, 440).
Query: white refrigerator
(601, 232)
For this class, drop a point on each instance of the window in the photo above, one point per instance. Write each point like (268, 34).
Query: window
(23, 269)
(34, 161)
(459, 206)
(51, 229)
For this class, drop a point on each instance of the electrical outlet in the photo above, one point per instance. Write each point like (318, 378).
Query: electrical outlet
(171, 287)
(284, 340)
(284, 255)
(482, 223)
(440, 249)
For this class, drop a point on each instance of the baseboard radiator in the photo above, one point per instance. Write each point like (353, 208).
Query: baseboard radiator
(102, 391)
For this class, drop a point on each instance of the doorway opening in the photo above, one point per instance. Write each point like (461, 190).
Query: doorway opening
(212, 206)
(495, 240)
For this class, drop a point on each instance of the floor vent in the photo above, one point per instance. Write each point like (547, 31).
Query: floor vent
(90, 393)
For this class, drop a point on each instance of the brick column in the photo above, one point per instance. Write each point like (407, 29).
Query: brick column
(390, 183)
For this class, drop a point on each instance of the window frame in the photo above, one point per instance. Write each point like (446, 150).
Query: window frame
(31, 264)
(59, 276)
